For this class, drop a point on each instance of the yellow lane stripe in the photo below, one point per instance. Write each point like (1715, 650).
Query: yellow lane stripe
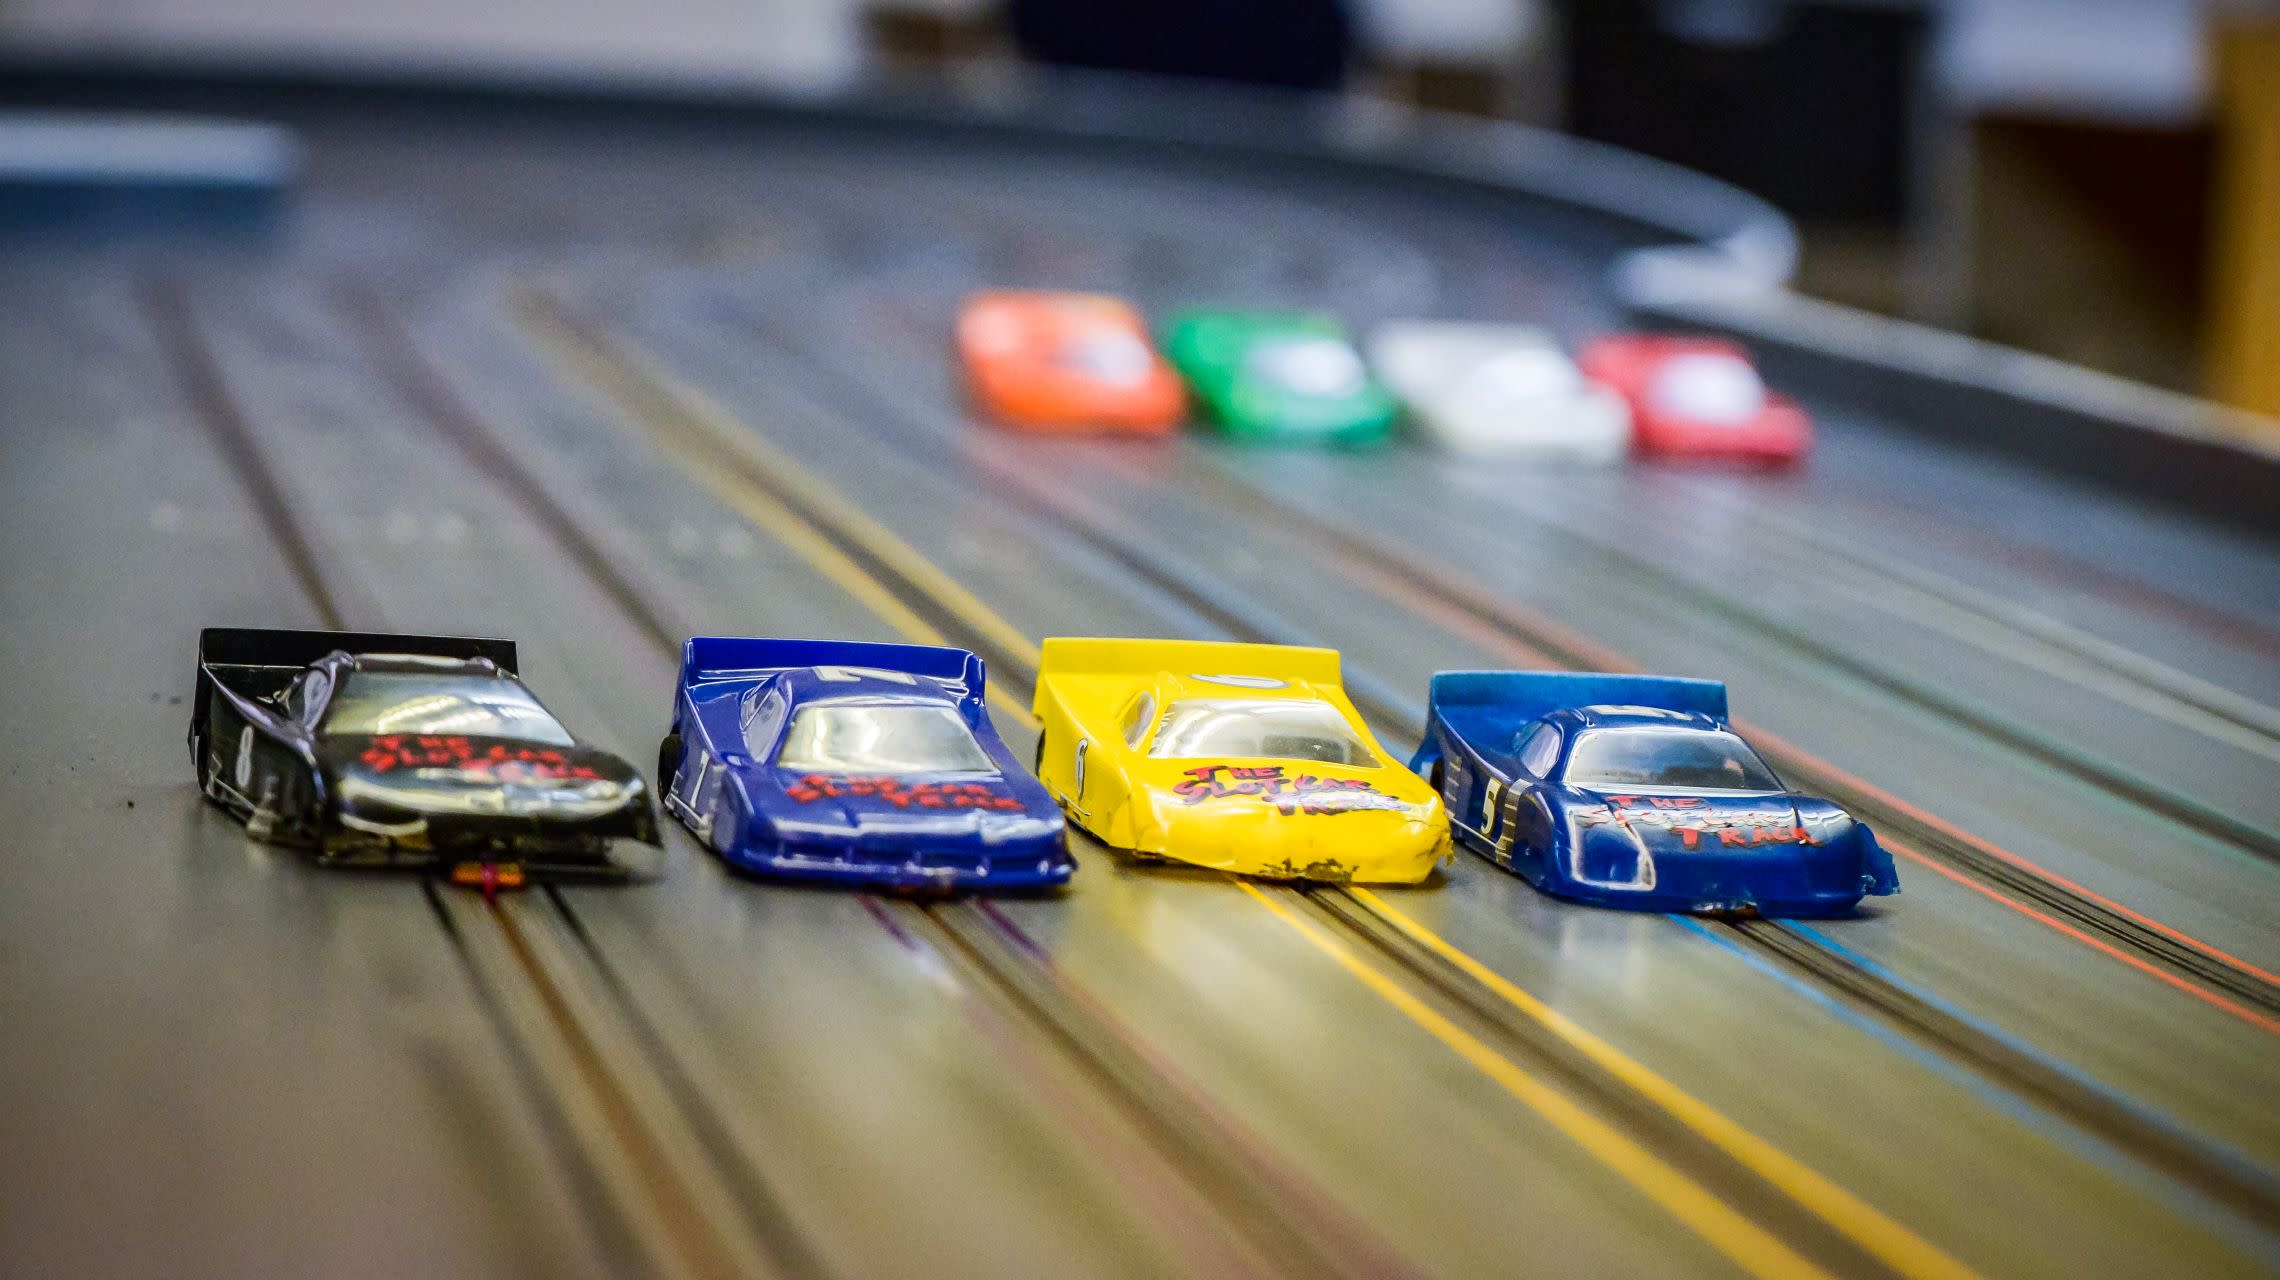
(874, 537)
(1750, 1246)
(1893, 1244)
(574, 351)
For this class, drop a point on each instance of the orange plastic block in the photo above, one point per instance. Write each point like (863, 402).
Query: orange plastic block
(490, 877)
(1066, 362)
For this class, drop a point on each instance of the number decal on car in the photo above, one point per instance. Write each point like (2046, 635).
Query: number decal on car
(1077, 776)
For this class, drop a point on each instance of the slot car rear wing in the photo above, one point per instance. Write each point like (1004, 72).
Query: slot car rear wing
(711, 659)
(259, 662)
(264, 647)
(1515, 698)
(1074, 655)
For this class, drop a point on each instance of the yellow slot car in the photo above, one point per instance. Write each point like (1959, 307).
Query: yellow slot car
(1240, 757)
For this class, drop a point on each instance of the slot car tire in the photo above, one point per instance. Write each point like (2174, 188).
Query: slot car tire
(198, 760)
(668, 763)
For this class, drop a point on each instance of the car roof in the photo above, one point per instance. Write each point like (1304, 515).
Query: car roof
(1613, 716)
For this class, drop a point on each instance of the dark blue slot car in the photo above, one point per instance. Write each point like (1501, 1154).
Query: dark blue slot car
(1633, 791)
(854, 763)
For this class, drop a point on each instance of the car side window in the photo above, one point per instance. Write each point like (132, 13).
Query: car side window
(1137, 720)
(1539, 750)
(763, 719)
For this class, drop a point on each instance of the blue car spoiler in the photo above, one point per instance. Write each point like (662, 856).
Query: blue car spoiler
(707, 659)
(1523, 696)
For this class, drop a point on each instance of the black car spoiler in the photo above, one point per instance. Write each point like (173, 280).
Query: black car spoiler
(256, 663)
(261, 647)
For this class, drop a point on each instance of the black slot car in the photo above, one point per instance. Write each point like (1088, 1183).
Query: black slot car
(409, 751)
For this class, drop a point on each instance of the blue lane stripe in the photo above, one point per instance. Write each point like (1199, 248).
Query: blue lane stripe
(1979, 1086)
(2081, 1142)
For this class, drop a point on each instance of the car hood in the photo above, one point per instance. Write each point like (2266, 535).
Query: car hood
(1287, 786)
(1668, 820)
(449, 774)
(1293, 820)
(884, 806)
(1721, 851)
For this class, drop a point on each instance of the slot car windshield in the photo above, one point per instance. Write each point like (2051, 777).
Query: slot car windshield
(1712, 387)
(1259, 728)
(1308, 366)
(1107, 355)
(1686, 759)
(1524, 372)
(880, 737)
(382, 702)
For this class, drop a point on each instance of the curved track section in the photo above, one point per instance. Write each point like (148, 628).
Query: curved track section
(605, 383)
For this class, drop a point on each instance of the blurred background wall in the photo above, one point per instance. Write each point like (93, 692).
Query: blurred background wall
(2095, 179)
(794, 45)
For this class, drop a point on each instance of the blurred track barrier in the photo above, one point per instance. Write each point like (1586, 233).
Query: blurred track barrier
(128, 151)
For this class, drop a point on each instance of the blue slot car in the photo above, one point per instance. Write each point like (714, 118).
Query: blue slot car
(1633, 791)
(860, 764)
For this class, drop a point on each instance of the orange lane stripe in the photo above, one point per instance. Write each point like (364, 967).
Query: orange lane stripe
(2242, 1012)
(1958, 833)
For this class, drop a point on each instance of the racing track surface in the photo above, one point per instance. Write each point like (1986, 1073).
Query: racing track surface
(598, 383)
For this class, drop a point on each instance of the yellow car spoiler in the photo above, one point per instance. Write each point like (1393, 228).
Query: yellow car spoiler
(1087, 656)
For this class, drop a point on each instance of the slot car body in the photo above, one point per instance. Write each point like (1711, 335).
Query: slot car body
(1699, 398)
(1273, 378)
(858, 764)
(1066, 362)
(390, 750)
(1244, 758)
(1499, 391)
(1633, 791)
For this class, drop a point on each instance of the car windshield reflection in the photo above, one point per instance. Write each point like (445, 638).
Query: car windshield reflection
(385, 702)
(1258, 728)
(1691, 759)
(881, 737)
